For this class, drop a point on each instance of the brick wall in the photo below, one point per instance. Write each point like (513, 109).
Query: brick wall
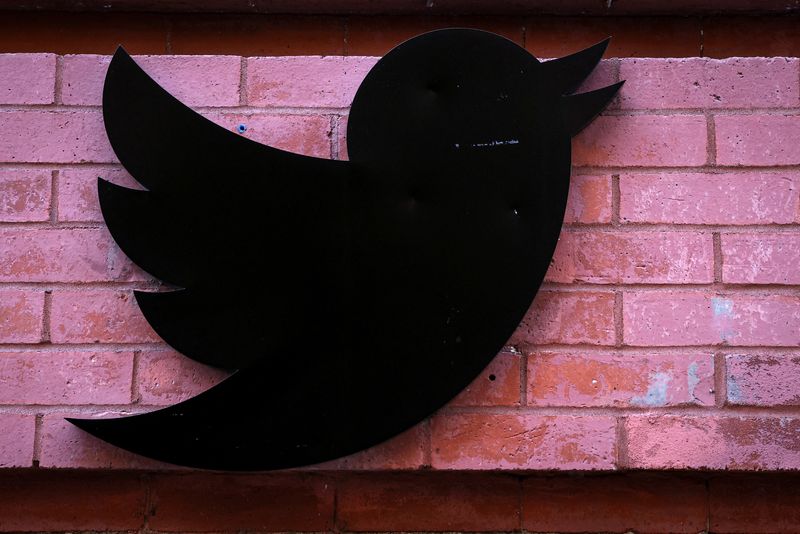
(666, 336)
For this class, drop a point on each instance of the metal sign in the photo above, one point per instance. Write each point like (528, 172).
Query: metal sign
(354, 298)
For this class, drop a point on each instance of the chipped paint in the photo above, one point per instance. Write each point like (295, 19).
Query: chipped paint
(734, 392)
(722, 310)
(692, 379)
(656, 391)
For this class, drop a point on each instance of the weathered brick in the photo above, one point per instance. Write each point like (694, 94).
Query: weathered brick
(763, 379)
(497, 385)
(194, 80)
(757, 139)
(606, 257)
(66, 446)
(27, 78)
(21, 312)
(741, 82)
(589, 200)
(166, 377)
(98, 316)
(642, 140)
(761, 258)
(754, 504)
(66, 377)
(405, 451)
(698, 198)
(658, 318)
(16, 442)
(620, 380)
(446, 502)
(63, 255)
(712, 442)
(24, 195)
(77, 192)
(303, 134)
(567, 317)
(41, 136)
(614, 503)
(326, 82)
(476, 441)
(221, 502)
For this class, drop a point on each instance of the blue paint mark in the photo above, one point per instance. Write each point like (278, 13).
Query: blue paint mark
(734, 392)
(692, 379)
(656, 391)
(242, 128)
(722, 307)
(723, 314)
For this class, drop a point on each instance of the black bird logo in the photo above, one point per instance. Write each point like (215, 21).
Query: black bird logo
(355, 297)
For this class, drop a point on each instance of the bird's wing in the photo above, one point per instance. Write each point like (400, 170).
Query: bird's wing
(234, 223)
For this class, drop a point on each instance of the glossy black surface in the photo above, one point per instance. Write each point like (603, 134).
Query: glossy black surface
(354, 298)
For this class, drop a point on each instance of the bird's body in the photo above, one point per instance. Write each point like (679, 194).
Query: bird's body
(355, 297)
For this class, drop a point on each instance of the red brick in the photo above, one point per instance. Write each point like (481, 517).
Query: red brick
(603, 257)
(27, 78)
(217, 502)
(24, 195)
(41, 136)
(428, 502)
(708, 83)
(21, 313)
(166, 377)
(308, 82)
(713, 442)
(763, 379)
(77, 192)
(194, 80)
(567, 317)
(66, 377)
(53, 501)
(659, 318)
(98, 316)
(516, 441)
(304, 134)
(757, 139)
(776, 35)
(16, 443)
(620, 380)
(698, 198)
(63, 255)
(761, 258)
(630, 502)
(754, 504)
(66, 446)
(405, 451)
(589, 200)
(497, 385)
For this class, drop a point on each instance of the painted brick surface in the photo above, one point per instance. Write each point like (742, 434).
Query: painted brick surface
(665, 336)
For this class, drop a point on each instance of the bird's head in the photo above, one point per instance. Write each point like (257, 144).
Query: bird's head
(457, 92)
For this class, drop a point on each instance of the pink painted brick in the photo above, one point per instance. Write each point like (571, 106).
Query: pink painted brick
(63, 255)
(763, 380)
(620, 380)
(567, 317)
(66, 377)
(761, 258)
(194, 80)
(40, 136)
(713, 442)
(699, 198)
(327, 82)
(589, 200)
(21, 312)
(98, 316)
(303, 134)
(603, 257)
(660, 318)
(24, 195)
(477, 441)
(341, 135)
(66, 446)
(16, 440)
(758, 139)
(709, 83)
(77, 192)
(405, 451)
(497, 385)
(167, 377)
(27, 78)
(642, 140)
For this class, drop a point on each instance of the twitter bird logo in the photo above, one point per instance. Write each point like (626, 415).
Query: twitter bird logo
(353, 298)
